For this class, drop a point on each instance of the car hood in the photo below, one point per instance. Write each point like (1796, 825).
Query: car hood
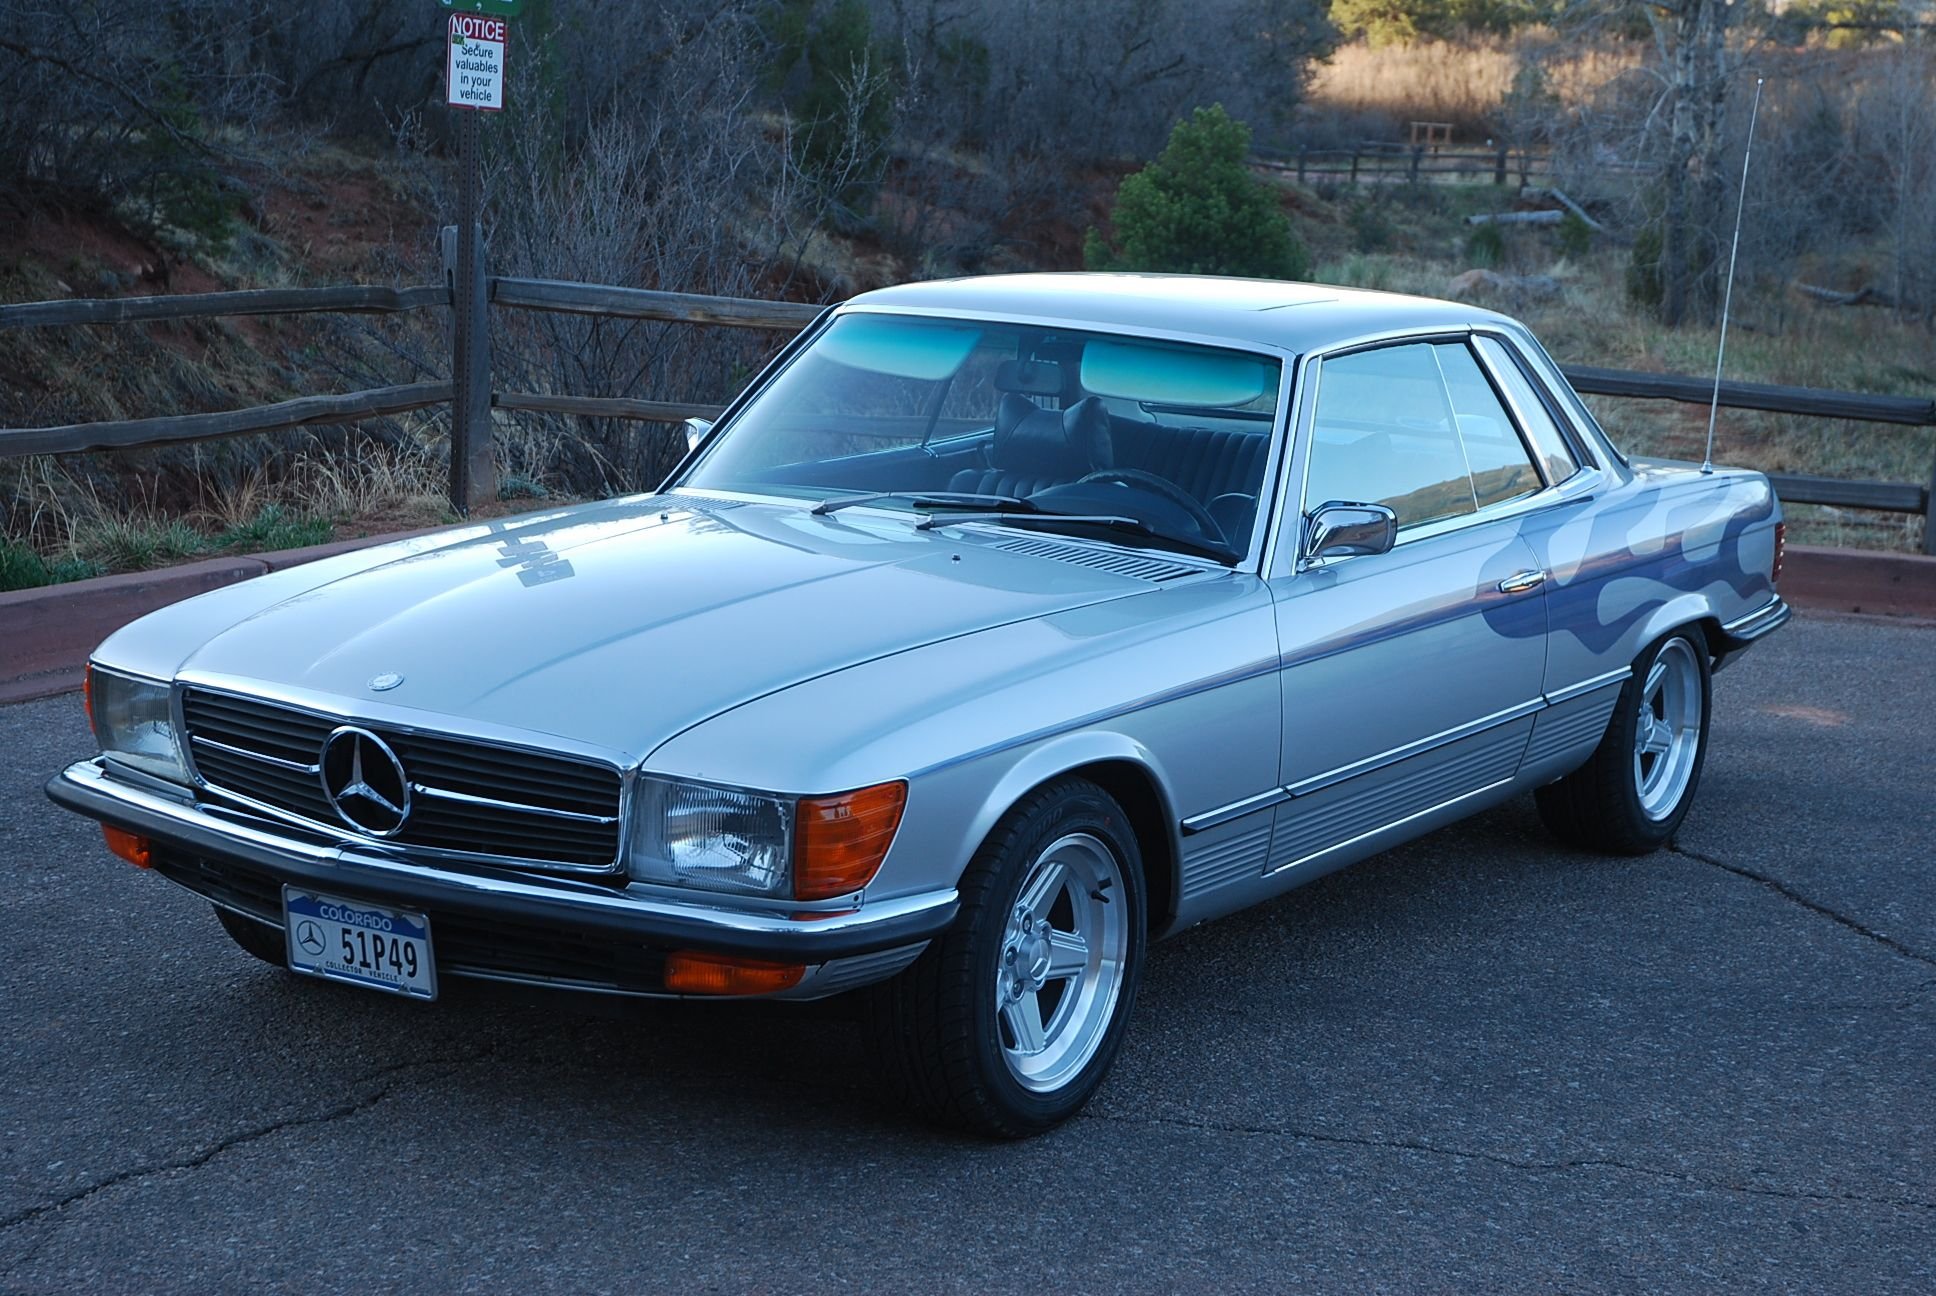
(618, 625)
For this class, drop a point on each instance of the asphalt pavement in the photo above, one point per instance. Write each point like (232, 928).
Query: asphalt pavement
(1479, 1063)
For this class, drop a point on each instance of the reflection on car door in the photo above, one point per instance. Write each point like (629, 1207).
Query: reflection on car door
(1410, 679)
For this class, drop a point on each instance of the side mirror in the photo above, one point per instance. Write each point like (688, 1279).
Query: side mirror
(696, 430)
(1341, 530)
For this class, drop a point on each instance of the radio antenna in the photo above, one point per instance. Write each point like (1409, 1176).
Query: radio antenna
(1727, 297)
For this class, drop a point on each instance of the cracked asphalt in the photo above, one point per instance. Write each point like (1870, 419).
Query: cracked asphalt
(1479, 1063)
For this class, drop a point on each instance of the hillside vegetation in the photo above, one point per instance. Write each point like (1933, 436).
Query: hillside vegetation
(813, 148)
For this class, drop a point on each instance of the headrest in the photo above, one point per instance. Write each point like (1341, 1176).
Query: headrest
(1030, 377)
(1052, 443)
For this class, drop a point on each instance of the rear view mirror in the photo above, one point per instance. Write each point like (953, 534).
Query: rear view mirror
(696, 430)
(1341, 530)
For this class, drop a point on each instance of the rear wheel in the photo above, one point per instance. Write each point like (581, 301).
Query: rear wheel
(259, 939)
(1632, 794)
(1006, 1024)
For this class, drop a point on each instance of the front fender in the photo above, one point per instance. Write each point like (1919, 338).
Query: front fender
(1064, 754)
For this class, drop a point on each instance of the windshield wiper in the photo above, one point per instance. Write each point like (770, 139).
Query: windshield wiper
(928, 499)
(1114, 522)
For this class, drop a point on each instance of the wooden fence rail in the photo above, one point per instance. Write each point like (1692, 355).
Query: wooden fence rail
(1813, 402)
(640, 303)
(358, 299)
(740, 312)
(379, 402)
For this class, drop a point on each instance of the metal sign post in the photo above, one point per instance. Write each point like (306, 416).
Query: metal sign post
(474, 63)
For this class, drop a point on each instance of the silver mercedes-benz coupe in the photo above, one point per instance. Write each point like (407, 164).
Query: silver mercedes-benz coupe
(1001, 627)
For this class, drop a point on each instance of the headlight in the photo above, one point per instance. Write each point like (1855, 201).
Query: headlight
(134, 721)
(728, 839)
(714, 838)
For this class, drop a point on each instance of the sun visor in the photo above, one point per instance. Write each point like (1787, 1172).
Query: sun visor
(898, 345)
(1176, 375)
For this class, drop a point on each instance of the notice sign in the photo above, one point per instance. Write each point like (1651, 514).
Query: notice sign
(476, 62)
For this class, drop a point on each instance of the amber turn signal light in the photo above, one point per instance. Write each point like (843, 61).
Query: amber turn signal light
(128, 846)
(87, 692)
(691, 972)
(840, 841)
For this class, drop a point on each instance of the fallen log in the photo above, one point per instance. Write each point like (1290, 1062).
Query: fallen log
(1868, 295)
(1517, 218)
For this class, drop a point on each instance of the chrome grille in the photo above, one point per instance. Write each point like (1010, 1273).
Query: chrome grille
(467, 796)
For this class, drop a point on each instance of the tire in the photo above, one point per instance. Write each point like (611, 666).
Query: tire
(1007, 1023)
(259, 939)
(1631, 795)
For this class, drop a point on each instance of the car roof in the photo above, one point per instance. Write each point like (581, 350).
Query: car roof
(1296, 317)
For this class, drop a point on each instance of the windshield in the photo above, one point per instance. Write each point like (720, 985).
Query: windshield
(1040, 426)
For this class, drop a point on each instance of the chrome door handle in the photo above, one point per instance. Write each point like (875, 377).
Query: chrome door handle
(1520, 582)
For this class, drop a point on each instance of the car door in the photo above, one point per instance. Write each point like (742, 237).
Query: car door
(1410, 679)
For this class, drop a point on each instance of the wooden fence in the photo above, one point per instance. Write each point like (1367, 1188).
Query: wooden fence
(788, 317)
(1373, 162)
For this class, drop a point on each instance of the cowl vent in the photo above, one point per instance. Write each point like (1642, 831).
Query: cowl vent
(1136, 566)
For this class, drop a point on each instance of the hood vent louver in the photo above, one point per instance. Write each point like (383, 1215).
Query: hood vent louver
(1136, 566)
(695, 503)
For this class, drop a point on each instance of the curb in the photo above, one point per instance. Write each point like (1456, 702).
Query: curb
(1866, 581)
(46, 633)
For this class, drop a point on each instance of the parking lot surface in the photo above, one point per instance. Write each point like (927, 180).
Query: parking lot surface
(1481, 1062)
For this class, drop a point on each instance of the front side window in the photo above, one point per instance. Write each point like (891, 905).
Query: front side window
(1417, 428)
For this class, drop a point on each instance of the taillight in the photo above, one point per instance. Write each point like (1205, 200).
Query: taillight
(87, 693)
(1781, 549)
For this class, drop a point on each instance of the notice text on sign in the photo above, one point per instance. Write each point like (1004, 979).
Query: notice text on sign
(476, 62)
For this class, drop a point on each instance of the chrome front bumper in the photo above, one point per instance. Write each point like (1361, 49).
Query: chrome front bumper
(868, 939)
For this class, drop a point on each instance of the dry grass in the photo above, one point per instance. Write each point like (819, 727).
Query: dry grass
(1461, 82)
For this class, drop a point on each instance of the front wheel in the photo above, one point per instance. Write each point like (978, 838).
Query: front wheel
(1007, 1023)
(1633, 793)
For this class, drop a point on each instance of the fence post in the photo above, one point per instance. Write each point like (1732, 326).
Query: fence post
(473, 471)
(1300, 163)
(1418, 152)
(1354, 164)
(1499, 167)
(1929, 513)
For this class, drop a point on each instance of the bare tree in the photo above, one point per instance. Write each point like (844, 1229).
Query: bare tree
(1692, 36)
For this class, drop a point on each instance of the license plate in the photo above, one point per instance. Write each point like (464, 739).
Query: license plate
(363, 944)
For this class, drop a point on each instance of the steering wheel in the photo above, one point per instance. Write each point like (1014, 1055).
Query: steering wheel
(1168, 489)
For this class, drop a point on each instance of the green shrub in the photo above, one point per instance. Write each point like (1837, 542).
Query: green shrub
(1643, 267)
(1486, 246)
(1371, 229)
(1576, 236)
(274, 528)
(1197, 209)
(841, 91)
(139, 544)
(22, 568)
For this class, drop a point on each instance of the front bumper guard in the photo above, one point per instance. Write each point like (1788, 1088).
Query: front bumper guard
(565, 904)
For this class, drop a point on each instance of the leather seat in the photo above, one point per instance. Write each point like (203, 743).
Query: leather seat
(1205, 462)
(1036, 448)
